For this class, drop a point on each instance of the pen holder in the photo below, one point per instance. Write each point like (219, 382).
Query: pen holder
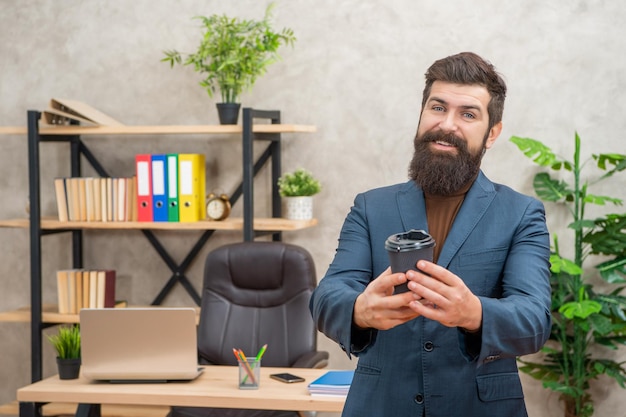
(249, 373)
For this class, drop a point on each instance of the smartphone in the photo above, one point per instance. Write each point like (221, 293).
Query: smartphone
(287, 378)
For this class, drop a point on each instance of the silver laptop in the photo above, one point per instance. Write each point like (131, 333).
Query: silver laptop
(139, 344)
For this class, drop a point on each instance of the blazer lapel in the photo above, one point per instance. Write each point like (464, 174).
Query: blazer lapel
(412, 207)
(474, 207)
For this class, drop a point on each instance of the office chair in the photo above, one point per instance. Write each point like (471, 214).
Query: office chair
(257, 293)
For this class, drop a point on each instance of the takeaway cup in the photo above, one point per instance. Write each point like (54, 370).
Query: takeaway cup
(405, 249)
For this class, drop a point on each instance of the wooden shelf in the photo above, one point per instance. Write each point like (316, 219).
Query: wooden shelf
(12, 130)
(107, 410)
(260, 224)
(50, 314)
(158, 130)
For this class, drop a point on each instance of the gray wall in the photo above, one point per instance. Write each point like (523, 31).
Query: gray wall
(356, 72)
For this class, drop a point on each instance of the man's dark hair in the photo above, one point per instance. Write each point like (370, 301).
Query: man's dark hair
(467, 68)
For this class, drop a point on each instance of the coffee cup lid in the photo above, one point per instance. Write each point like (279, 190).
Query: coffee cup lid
(410, 240)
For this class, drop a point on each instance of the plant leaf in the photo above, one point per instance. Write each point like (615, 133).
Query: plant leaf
(613, 271)
(558, 265)
(601, 200)
(549, 189)
(617, 160)
(535, 150)
(580, 309)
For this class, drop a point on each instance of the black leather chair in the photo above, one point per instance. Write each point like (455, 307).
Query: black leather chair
(256, 293)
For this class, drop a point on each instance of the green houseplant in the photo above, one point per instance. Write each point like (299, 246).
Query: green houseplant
(586, 317)
(297, 189)
(66, 342)
(232, 54)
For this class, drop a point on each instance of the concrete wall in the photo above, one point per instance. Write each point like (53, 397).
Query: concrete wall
(356, 72)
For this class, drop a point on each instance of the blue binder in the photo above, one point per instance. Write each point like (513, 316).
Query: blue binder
(159, 188)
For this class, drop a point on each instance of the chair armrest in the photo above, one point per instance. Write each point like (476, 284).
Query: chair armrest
(317, 360)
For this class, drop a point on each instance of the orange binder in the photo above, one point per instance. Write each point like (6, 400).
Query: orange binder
(144, 187)
(191, 187)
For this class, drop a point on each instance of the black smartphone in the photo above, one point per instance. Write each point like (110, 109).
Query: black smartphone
(287, 378)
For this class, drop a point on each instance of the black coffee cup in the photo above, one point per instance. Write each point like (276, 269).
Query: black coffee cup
(405, 249)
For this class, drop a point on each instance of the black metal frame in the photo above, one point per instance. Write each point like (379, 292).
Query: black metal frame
(78, 148)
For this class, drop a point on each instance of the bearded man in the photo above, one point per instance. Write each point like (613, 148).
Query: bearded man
(448, 346)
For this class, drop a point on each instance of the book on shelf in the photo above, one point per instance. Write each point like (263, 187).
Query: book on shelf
(332, 383)
(106, 289)
(66, 111)
(82, 288)
(61, 196)
(95, 199)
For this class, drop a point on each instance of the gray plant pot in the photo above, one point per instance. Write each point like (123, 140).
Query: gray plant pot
(228, 113)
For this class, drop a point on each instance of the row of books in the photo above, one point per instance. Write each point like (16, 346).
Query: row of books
(85, 288)
(171, 187)
(96, 199)
(332, 383)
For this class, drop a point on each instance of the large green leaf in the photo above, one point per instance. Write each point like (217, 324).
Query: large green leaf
(535, 150)
(601, 200)
(602, 325)
(613, 271)
(563, 388)
(549, 189)
(613, 369)
(558, 265)
(617, 160)
(580, 309)
(609, 236)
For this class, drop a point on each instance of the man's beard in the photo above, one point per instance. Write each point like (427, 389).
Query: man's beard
(440, 173)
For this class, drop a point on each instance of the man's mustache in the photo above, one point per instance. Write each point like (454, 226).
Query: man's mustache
(450, 138)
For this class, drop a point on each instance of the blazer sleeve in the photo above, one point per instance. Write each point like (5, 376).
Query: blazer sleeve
(332, 302)
(518, 321)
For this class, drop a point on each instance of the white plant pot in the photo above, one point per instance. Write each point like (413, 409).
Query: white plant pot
(298, 208)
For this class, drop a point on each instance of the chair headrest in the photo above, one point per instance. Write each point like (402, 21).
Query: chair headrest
(277, 267)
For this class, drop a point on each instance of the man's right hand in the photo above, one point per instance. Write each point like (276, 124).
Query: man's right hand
(378, 308)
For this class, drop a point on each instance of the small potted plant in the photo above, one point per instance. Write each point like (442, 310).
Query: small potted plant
(232, 54)
(297, 189)
(66, 342)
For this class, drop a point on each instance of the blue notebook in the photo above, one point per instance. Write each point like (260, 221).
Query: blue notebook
(335, 383)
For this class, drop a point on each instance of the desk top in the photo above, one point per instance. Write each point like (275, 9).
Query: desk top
(215, 387)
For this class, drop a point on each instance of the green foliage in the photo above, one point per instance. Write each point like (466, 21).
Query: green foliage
(67, 342)
(298, 184)
(582, 317)
(233, 53)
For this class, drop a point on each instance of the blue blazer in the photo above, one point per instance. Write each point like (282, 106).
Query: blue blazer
(499, 245)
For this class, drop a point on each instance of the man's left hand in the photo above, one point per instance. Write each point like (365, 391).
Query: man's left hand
(445, 297)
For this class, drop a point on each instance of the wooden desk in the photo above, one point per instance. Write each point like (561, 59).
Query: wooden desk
(216, 387)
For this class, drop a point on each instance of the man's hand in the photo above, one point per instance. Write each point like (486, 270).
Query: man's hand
(378, 308)
(446, 298)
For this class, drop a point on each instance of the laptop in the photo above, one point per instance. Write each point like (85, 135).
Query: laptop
(151, 344)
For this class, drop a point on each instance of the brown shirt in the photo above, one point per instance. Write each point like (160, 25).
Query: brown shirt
(440, 213)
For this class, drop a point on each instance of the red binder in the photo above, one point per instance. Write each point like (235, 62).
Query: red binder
(144, 187)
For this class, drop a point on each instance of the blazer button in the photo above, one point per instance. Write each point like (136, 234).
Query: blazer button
(419, 398)
(429, 346)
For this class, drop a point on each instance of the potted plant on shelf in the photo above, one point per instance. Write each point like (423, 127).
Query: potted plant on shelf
(232, 54)
(66, 342)
(297, 190)
(585, 317)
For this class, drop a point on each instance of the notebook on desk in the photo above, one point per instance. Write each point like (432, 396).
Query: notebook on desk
(139, 344)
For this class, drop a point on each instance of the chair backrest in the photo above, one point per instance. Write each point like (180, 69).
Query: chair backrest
(256, 293)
